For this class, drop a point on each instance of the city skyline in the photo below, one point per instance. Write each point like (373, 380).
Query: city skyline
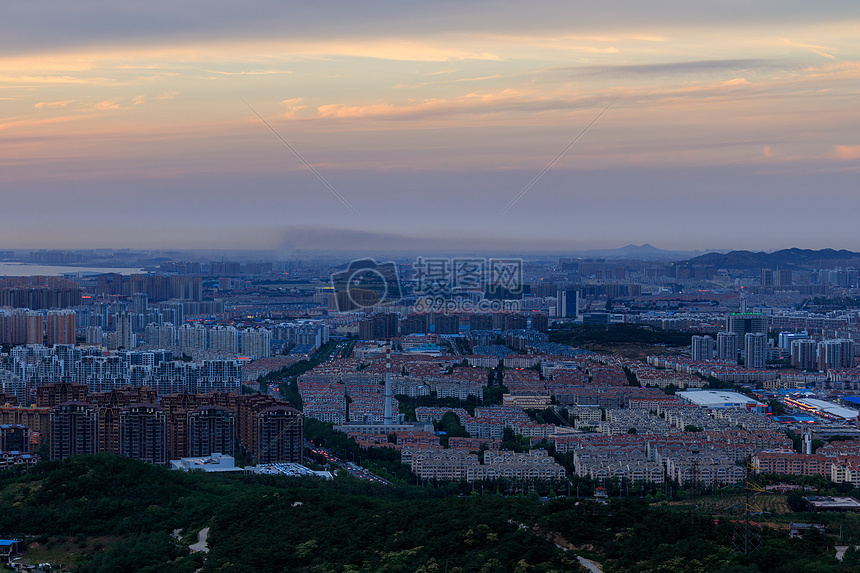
(735, 126)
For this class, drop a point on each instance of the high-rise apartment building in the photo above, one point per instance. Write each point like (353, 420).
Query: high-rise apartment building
(60, 327)
(480, 322)
(567, 303)
(279, 436)
(755, 350)
(804, 354)
(50, 395)
(224, 339)
(742, 323)
(378, 326)
(192, 337)
(125, 338)
(94, 334)
(139, 302)
(539, 322)
(417, 323)
(74, 430)
(25, 327)
(143, 433)
(515, 322)
(786, 338)
(446, 324)
(219, 376)
(837, 353)
(257, 342)
(727, 346)
(703, 348)
(211, 429)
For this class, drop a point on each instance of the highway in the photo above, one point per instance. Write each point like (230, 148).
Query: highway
(352, 468)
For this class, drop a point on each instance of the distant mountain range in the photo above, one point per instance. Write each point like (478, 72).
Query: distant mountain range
(783, 259)
(644, 252)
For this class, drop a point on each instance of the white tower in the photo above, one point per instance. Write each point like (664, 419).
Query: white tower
(387, 417)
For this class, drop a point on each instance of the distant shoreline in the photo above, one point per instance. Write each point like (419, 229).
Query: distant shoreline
(11, 269)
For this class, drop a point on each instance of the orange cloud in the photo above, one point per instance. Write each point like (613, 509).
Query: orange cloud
(51, 80)
(107, 104)
(53, 104)
(482, 103)
(846, 152)
(293, 106)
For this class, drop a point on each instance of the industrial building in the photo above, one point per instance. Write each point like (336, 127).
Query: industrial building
(720, 399)
(823, 408)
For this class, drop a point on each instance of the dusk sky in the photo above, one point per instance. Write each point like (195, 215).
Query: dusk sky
(736, 124)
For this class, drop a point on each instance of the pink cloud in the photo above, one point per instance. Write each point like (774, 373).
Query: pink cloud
(846, 152)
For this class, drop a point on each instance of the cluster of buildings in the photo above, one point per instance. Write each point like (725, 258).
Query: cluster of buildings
(140, 330)
(613, 430)
(138, 423)
(688, 444)
(838, 461)
(462, 465)
(381, 325)
(26, 368)
(326, 388)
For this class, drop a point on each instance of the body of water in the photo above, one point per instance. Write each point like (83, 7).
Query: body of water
(27, 270)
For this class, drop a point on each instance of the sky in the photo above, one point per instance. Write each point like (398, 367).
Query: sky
(362, 125)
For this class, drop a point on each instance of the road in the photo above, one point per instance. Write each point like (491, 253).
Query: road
(589, 564)
(201, 544)
(351, 468)
(592, 566)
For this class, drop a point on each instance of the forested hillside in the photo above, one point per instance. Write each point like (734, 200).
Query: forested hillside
(108, 514)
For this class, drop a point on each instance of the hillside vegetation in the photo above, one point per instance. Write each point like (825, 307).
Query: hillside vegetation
(108, 514)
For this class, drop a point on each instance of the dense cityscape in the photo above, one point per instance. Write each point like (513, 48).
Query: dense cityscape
(429, 287)
(597, 374)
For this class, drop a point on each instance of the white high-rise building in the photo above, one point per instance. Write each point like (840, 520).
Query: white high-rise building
(804, 354)
(567, 303)
(727, 346)
(163, 335)
(256, 342)
(837, 353)
(755, 350)
(192, 337)
(786, 338)
(703, 348)
(219, 376)
(124, 334)
(94, 334)
(224, 339)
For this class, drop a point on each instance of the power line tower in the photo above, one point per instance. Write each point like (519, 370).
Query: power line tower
(747, 534)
